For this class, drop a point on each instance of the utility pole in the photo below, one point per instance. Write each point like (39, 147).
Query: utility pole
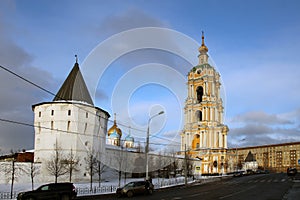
(147, 144)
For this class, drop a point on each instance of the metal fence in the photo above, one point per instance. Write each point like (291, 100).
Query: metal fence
(113, 188)
(96, 190)
(6, 195)
(169, 182)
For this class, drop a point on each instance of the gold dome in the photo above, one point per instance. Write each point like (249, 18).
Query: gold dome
(203, 48)
(114, 128)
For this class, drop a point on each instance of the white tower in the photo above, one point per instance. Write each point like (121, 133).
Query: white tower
(70, 124)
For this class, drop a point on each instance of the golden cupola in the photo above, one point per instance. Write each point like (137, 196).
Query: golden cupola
(114, 129)
(203, 48)
(203, 56)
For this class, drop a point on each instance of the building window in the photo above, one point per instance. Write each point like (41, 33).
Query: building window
(199, 115)
(39, 127)
(69, 112)
(68, 126)
(40, 114)
(199, 94)
(52, 125)
(86, 114)
(52, 112)
(85, 127)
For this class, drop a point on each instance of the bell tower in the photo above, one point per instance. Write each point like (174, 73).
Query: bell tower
(204, 135)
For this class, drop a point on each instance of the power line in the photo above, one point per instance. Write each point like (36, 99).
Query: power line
(49, 92)
(69, 132)
(26, 80)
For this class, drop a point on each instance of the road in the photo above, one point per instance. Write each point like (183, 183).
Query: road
(258, 187)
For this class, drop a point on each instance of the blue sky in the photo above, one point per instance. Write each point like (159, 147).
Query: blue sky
(254, 45)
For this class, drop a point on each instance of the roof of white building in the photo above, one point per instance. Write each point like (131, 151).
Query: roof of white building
(74, 87)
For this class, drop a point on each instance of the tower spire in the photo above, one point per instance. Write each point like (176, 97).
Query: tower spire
(115, 117)
(203, 49)
(203, 39)
(76, 58)
(203, 57)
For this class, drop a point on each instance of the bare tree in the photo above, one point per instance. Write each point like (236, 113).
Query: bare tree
(56, 166)
(71, 163)
(12, 172)
(120, 159)
(91, 166)
(33, 171)
(100, 168)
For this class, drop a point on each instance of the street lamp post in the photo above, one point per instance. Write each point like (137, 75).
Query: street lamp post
(147, 143)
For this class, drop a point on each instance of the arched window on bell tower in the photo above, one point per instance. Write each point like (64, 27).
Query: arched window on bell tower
(199, 94)
(199, 115)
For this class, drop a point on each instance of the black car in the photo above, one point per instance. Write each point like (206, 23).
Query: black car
(291, 171)
(137, 187)
(51, 191)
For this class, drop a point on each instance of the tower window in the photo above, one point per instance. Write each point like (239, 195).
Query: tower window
(52, 112)
(85, 127)
(86, 115)
(199, 94)
(69, 112)
(199, 115)
(39, 127)
(40, 114)
(68, 126)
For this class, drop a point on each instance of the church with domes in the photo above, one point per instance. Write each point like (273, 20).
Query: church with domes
(114, 137)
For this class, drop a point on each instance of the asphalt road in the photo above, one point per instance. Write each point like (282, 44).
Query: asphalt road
(257, 187)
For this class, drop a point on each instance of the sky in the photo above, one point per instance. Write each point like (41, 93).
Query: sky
(253, 44)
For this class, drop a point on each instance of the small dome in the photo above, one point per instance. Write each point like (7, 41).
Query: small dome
(129, 138)
(203, 48)
(114, 135)
(114, 129)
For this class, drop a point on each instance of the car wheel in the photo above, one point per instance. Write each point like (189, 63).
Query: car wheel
(65, 197)
(150, 191)
(119, 195)
(129, 193)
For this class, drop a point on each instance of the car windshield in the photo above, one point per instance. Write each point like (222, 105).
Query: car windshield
(46, 187)
(129, 184)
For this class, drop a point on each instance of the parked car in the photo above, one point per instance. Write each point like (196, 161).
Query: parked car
(134, 188)
(291, 171)
(51, 191)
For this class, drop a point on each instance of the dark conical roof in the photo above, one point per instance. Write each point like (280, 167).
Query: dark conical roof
(74, 88)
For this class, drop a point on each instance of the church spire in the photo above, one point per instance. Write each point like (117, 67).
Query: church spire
(115, 116)
(203, 57)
